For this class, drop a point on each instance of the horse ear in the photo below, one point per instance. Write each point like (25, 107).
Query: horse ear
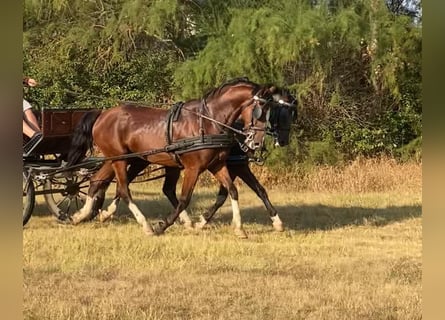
(273, 89)
(276, 97)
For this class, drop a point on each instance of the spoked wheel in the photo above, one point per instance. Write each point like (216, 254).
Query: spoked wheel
(29, 197)
(65, 194)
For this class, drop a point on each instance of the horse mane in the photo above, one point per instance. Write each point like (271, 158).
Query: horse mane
(232, 82)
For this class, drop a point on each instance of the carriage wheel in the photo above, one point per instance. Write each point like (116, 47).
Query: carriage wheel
(64, 195)
(28, 197)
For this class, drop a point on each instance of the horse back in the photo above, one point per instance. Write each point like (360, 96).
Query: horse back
(131, 128)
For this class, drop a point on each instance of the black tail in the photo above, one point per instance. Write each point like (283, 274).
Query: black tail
(82, 139)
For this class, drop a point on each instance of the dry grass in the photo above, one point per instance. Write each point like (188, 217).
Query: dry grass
(343, 256)
(361, 175)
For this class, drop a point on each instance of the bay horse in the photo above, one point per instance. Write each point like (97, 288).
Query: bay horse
(281, 118)
(283, 113)
(199, 140)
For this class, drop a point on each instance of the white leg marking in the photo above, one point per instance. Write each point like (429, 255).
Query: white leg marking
(202, 222)
(277, 224)
(239, 231)
(104, 215)
(84, 212)
(236, 214)
(140, 218)
(185, 219)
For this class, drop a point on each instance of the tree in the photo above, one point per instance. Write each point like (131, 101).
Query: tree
(353, 64)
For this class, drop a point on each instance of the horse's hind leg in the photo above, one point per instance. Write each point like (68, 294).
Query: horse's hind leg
(205, 218)
(136, 166)
(104, 215)
(190, 179)
(248, 177)
(222, 174)
(98, 182)
(169, 189)
(120, 169)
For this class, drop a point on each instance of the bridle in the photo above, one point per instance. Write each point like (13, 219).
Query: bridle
(248, 143)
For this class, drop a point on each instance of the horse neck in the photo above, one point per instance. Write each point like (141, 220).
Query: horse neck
(228, 107)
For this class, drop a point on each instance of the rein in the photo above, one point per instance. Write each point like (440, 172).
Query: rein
(240, 132)
(199, 114)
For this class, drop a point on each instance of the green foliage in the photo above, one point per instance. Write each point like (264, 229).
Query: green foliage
(323, 152)
(354, 65)
(411, 151)
(283, 156)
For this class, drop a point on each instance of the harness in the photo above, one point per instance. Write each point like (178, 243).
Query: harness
(226, 139)
(173, 116)
(203, 141)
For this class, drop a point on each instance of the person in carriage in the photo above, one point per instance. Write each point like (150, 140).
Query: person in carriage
(31, 127)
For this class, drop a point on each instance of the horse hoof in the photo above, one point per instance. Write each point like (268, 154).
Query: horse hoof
(104, 216)
(201, 224)
(149, 231)
(188, 225)
(159, 228)
(75, 220)
(240, 233)
(277, 223)
(278, 227)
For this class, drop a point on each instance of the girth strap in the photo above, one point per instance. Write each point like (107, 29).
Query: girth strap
(173, 116)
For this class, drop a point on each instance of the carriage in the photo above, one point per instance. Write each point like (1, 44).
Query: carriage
(44, 172)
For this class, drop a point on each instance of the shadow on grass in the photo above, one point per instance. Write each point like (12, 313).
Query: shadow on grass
(322, 217)
(301, 217)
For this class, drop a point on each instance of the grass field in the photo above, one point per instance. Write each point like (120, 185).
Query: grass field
(346, 254)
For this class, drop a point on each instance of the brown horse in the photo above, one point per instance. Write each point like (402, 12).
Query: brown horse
(198, 140)
(283, 113)
(282, 116)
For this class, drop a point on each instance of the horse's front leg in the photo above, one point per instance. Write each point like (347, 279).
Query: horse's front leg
(248, 177)
(223, 193)
(205, 218)
(190, 178)
(99, 181)
(222, 174)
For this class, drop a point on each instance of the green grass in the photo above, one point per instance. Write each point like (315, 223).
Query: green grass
(342, 256)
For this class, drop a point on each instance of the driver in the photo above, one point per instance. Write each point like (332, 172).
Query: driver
(31, 126)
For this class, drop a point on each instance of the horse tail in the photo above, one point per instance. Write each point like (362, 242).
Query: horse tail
(82, 139)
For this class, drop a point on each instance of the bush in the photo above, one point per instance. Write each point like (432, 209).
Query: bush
(323, 152)
(410, 151)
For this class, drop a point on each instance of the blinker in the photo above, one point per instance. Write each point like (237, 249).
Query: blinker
(257, 112)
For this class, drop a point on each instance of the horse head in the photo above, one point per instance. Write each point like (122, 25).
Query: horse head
(282, 115)
(241, 99)
(255, 117)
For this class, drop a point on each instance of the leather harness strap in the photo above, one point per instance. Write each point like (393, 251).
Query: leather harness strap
(173, 116)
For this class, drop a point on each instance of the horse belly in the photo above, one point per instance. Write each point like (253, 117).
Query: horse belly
(164, 159)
